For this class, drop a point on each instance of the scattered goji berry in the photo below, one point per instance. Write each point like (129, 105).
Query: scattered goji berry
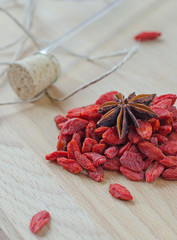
(150, 150)
(111, 152)
(39, 220)
(75, 112)
(96, 158)
(170, 174)
(112, 164)
(119, 191)
(121, 150)
(157, 99)
(69, 164)
(169, 148)
(133, 176)
(134, 149)
(133, 136)
(165, 130)
(166, 103)
(88, 145)
(72, 147)
(99, 148)
(111, 137)
(91, 113)
(106, 97)
(133, 161)
(146, 36)
(172, 136)
(161, 112)
(144, 129)
(155, 123)
(62, 142)
(154, 171)
(154, 141)
(77, 138)
(84, 161)
(90, 130)
(73, 125)
(98, 175)
(60, 119)
(147, 163)
(99, 131)
(161, 138)
(54, 155)
(169, 161)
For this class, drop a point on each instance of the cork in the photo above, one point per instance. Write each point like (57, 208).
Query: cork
(30, 76)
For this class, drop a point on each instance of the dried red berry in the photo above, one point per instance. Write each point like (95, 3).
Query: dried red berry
(144, 130)
(155, 123)
(133, 161)
(150, 150)
(165, 130)
(54, 155)
(170, 174)
(173, 136)
(153, 172)
(169, 161)
(111, 137)
(90, 130)
(111, 152)
(73, 125)
(118, 191)
(166, 103)
(147, 163)
(69, 164)
(106, 97)
(146, 36)
(99, 148)
(112, 164)
(133, 136)
(88, 145)
(157, 99)
(91, 113)
(161, 112)
(99, 131)
(62, 142)
(39, 220)
(98, 175)
(72, 147)
(169, 148)
(96, 158)
(60, 119)
(84, 161)
(133, 176)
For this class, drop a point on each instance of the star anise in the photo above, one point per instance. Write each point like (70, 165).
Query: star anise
(126, 111)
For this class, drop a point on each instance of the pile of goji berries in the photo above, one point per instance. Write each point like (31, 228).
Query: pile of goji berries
(146, 152)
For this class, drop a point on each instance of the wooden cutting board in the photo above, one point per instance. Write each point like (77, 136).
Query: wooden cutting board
(80, 207)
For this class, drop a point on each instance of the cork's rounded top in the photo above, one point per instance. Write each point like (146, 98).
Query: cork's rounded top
(30, 76)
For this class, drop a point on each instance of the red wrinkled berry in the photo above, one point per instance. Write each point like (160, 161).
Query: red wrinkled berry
(133, 176)
(169, 148)
(146, 36)
(118, 191)
(96, 158)
(106, 97)
(73, 125)
(84, 161)
(99, 148)
(144, 129)
(111, 152)
(154, 171)
(112, 164)
(169, 161)
(88, 145)
(39, 220)
(133, 161)
(170, 174)
(98, 175)
(54, 155)
(69, 164)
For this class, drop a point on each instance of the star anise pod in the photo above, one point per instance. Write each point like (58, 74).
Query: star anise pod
(126, 111)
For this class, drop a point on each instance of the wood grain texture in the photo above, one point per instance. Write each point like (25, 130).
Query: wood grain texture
(81, 208)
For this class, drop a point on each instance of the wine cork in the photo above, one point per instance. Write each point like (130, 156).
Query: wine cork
(30, 76)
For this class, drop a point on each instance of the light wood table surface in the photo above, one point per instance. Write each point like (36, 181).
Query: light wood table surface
(80, 207)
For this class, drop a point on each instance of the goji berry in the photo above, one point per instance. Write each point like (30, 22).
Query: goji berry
(154, 141)
(167, 121)
(133, 136)
(88, 145)
(111, 137)
(119, 191)
(75, 112)
(161, 138)
(133, 176)
(91, 113)
(60, 125)
(77, 138)
(169, 148)
(165, 130)
(90, 130)
(133, 161)
(174, 125)
(155, 123)
(62, 142)
(99, 131)
(157, 99)
(39, 220)
(84, 161)
(144, 129)
(73, 125)
(166, 103)
(169, 161)
(111, 152)
(134, 149)
(150, 150)
(72, 147)
(106, 97)
(112, 164)
(161, 112)
(98, 175)
(154, 171)
(99, 148)
(173, 136)
(54, 155)
(96, 158)
(146, 36)
(121, 150)
(170, 174)
(60, 119)
(147, 163)
(69, 164)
